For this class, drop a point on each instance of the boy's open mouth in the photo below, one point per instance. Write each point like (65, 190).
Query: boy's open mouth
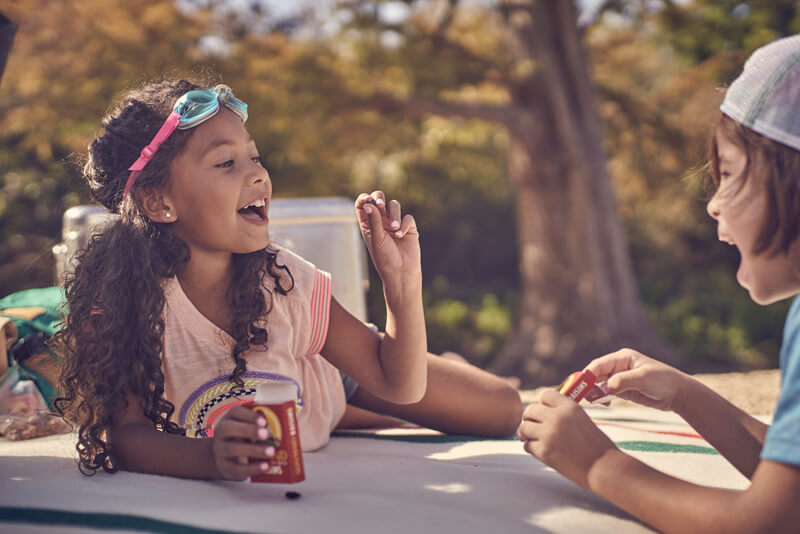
(255, 211)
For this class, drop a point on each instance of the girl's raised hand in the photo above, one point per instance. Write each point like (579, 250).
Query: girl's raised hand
(236, 439)
(633, 376)
(392, 239)
(558, 432)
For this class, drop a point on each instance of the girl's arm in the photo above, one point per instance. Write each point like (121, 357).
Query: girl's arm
(633, 376)
(137, 446)
(393, 367)
(460, 399)
(558, 432)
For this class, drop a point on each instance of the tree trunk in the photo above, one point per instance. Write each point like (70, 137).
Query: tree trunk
(579, 296)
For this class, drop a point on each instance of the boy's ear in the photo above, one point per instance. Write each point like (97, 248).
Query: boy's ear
(156, 205)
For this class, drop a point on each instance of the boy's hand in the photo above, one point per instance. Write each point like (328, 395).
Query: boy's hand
(635, 377)
(558, 432)
(235, 443)
(391, 238)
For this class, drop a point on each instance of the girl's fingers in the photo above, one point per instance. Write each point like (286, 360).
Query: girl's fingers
(407, 226)
(393, 214)
(240, 413)
(235, 470)
(362, 200)
(380, 201)
(239, 430)
(374, 221)
(240, 449)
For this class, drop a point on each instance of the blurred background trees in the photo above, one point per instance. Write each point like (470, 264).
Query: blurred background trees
(547, 237)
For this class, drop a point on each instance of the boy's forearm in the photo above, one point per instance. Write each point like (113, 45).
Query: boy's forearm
(404, 347)
(140, 448)
(665, 502)
(738, 436)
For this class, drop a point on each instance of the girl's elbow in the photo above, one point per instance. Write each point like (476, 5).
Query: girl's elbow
(508, 413)
(410, 393)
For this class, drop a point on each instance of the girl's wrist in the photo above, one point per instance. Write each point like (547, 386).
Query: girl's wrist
(402, 289)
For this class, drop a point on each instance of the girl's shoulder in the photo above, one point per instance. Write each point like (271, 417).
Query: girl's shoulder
(300, 278)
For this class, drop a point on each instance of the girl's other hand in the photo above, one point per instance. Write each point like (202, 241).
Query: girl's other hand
(391, 238)
(633, 376)
(236, 439)
(558, 432)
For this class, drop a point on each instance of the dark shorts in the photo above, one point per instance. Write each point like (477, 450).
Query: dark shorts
(350, 386)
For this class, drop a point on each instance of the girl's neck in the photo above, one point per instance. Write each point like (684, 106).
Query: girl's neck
(206, 281)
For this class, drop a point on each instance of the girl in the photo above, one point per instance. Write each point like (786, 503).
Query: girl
(755, 162)
(179, 310)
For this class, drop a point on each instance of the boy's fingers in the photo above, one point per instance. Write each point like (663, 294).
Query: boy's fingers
(528, 430)
(609, 364)
(552, 398)
(534, 412)
(626, 381)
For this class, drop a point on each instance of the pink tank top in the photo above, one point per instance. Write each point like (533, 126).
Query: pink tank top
(197, 357)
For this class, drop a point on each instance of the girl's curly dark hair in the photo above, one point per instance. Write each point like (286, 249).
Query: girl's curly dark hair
(111, 339)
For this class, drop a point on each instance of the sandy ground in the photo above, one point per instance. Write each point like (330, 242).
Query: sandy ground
(755, 392)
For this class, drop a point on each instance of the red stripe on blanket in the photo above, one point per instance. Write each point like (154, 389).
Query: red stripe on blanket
(667, 432)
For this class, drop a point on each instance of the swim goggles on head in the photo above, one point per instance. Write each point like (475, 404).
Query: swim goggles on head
(193, 108)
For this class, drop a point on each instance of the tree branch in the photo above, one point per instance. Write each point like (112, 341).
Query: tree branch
(505, 115)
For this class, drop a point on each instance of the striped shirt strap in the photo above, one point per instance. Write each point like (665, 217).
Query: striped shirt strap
(320, 310)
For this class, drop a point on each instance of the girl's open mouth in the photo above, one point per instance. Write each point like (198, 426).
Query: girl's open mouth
(255, 212)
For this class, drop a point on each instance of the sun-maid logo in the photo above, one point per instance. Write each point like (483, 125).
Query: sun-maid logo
(273, 421)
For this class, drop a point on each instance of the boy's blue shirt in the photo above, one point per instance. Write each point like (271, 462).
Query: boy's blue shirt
(783, 438)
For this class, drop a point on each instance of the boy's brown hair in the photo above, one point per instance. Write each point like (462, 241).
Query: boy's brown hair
(777, 166)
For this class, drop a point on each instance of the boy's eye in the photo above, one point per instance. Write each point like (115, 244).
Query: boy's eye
(258, 160)
(226, 164)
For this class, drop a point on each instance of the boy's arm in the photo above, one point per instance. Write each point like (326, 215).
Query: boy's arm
(633, 376)
(137, 446)
(738, 436)
(673, 505)
(560, 433)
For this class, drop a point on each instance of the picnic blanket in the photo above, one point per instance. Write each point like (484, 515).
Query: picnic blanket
(392, 480)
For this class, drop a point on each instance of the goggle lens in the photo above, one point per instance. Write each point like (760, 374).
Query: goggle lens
(198, 106)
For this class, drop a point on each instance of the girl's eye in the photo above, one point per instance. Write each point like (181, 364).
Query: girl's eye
(258, 160)
(226, 164)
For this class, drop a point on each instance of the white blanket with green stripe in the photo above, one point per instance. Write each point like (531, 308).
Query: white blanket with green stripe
(395, 480)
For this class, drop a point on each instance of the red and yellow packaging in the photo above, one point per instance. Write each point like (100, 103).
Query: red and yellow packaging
(578, 384)
(583, 385)
(276, 401)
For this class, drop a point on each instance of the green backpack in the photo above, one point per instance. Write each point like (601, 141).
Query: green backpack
(27, 320)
